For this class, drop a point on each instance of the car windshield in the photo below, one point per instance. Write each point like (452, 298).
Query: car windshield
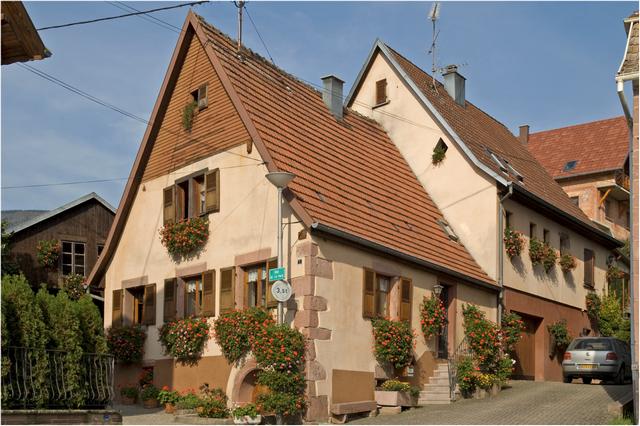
(591, 344)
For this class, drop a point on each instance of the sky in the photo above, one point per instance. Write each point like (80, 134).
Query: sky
(545, 64)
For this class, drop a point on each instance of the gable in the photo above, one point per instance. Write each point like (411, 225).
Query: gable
(215, 128)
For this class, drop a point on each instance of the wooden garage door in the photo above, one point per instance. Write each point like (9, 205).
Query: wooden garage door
(526, 350)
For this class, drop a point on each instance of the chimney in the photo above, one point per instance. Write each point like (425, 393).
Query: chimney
(454, 83)
(524, 134)
(332, 95)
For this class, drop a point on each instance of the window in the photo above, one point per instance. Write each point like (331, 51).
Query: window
(532, 230)
(546, 236)
(576, 200)
(200, 96)
(448, 229)
(100, 248)
(570, 165)
(608, 210)
(589, 268)
(257, 290)
(142, 302)
(381, 91)
(442, 145)
(72, 258)
(383, 287)
(376, 295)
(192, 196)
(508, 219)
(199, 295)
(565, 243)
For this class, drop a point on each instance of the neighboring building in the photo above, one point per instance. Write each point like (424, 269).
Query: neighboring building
(362, 237)
(590, 162)
(20, 40)
(16, 217)
(628, 71)
(80, 226)
(487, 181)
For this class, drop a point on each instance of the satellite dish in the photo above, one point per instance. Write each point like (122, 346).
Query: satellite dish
(434, 13)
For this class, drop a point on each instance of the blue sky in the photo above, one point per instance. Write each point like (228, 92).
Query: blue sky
(543, 64)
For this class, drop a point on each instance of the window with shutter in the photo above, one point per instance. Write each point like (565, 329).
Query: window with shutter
(381, 91)
(271, 301)
(208, 293)
(169, 205)
(368, 294)
(149, 305)
(170, 300)
(227, 284)
(406, 295)
(202, 97)
(212, 185)
(116, 316)
(589, 267)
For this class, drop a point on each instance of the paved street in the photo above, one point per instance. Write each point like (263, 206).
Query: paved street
(523, 403)
(136, 415)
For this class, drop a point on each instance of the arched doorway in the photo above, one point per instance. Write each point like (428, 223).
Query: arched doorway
(246, 388)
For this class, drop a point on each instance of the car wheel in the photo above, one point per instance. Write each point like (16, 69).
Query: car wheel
(586, 380)
(567, 379)
(619, 379)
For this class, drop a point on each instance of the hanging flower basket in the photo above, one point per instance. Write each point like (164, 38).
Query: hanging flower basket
(48, 252)
(536, 251)
(184, 339)
(186, 236)
(567, 263)
(549, 257)
(513, 242)
(593, 302)
(560, 337)
(433, 316)
(75, 286)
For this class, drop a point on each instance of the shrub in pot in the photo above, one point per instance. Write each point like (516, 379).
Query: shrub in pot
(149, 396)
(393, 342)
(246, 415)
(536, 251)
(168, 399)
(188, 400)
(185, 237)
(128, 394)
(567, 263)
(433, 316)
(213, 403)
(513, 242)
(184, 339)
(126, 343)
(396, 393)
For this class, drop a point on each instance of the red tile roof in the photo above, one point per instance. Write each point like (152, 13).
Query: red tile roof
(480, 131)
(596, 146)
(350, 175)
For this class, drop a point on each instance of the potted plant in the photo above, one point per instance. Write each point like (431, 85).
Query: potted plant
(126, 343)
(185, 236)
(184, 339)
(567, 262)
(536, 251)
(168, 399)
(213, 403)
(433, 316)
(549, 257)
(393, 342)
(246, 415)
(560, 337)
(48, 252)
(128, 394)
(438, 154)
(513, 242)
(395, 393)
(149, 396)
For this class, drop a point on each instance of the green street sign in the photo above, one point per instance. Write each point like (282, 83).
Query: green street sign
(276, 274)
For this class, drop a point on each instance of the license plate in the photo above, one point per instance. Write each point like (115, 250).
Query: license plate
(587, 366)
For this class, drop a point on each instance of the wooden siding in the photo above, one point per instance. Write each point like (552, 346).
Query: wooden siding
(88, 223)
(215, 128)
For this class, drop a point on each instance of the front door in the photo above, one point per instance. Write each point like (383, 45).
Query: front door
(525, 350)
(443, 341)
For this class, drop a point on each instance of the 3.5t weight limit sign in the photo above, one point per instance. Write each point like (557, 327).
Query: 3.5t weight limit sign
(281, 291)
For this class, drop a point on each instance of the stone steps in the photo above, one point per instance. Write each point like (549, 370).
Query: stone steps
(436, 391)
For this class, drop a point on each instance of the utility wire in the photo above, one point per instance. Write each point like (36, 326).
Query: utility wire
(151, 19)
(259, 35)
(91, 21)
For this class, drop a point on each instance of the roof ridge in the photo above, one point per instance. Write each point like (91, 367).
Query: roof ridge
(572, 126)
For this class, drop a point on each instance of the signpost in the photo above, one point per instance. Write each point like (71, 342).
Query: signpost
(281, 291)
(277, 274)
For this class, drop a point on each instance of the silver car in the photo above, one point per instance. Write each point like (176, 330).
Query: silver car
(604, 358)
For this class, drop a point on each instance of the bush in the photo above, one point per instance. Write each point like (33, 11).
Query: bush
(279, 347)
(126, 343)
(184, 339)
(234, 331)
(560, 335)
(465, 374)
(512, 328)
(433, 316)
(93, 338)
(148, 392)
(248, 410)
(7, 264)
(166, 396)
(129, 391)
(279, 403)
(513, 242)
(74, 286)
(213, 403)
(611, 321)
(186, 236)
(505, 368)
(189, 400)
(483, 337)
(48, 252)
(438, 155)
(282, 381)
(593, 303)
(393, 342)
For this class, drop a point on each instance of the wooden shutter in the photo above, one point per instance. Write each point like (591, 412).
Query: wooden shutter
(368, 294)
(168, 195)
(212, 186)
(589, 266)
(202, 97)
(227, 284)
(149, 305)
(381, 91)
(116, 316)
(271, 302)
(208, 293)
(170, 300)
(406, 297)
(180, 203)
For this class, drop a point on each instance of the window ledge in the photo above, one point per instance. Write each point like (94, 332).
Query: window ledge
(380, 104)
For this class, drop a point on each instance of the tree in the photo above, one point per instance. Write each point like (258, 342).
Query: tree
(91, 329)
(7, 265)
(611, 321)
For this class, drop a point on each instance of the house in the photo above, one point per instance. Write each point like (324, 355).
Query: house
(80, 228)
(484, 181)
(362, 236)
(590, 162)
(20, 39)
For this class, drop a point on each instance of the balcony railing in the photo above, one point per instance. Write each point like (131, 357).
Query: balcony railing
(622, 180)
(55, 379)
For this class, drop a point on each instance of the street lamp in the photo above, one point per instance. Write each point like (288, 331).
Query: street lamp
(280, 180)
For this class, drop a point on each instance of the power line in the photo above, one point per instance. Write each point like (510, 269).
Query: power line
(259, 35)
(151, 19)
(91, 21)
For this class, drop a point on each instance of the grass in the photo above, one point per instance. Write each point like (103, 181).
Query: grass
(621, 420)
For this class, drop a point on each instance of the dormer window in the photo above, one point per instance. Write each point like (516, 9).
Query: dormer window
(381, 91)
(448, 229)
(570, 165)
(200, 97)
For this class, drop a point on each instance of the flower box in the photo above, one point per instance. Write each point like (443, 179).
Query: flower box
(247, 420)
(394, 398)
(150, 403)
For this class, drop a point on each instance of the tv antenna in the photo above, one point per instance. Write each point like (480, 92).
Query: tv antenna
(434, 14)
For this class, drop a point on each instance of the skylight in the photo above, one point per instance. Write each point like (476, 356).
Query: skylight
(570, 165)
(448, 229)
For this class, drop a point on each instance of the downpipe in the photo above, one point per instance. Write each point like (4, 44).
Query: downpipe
(632, 243)
(501, 213)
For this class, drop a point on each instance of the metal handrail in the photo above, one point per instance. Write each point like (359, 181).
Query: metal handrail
(39, 378)
(452, 361)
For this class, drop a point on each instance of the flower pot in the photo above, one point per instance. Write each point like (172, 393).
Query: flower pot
(480, 394)
(495, 389)
(169, 408)
(393, 398)
(150, 403)
(247, 420)
(127, 400)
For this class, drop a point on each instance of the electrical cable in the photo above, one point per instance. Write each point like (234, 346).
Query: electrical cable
(151, 19)
(259, 35)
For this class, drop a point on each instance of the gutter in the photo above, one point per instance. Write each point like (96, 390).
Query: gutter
(319, 228)
(501, 214)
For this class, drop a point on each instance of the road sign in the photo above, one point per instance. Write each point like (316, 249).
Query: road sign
(281, 291)
(276, 274)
